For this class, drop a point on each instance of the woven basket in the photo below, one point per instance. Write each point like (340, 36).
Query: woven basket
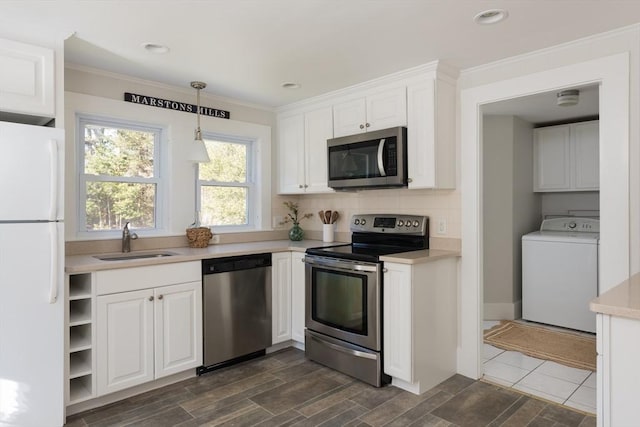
(199, 237)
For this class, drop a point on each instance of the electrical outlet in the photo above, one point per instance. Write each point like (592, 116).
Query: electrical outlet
(277, 221)
(442, 226)
(215, 238)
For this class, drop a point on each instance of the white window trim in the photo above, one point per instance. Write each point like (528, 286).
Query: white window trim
(253, 178)
(159, 156)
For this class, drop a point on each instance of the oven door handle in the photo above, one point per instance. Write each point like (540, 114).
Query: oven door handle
(348, 351)
(341, 265)
(381, 158)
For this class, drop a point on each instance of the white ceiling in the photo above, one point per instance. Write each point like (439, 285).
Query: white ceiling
(245, 49)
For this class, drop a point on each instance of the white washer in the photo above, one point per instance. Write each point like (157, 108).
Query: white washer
(560, 273)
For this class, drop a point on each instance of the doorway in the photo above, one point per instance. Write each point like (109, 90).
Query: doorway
(611, 74)
(518, 135)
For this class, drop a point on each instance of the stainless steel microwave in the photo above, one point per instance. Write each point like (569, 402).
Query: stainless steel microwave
(374, 159)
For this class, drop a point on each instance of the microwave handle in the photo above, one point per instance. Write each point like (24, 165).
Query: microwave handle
(381, 158)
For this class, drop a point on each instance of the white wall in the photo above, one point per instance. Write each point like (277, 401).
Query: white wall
(102, 94)
(572, 203)
(510, 209)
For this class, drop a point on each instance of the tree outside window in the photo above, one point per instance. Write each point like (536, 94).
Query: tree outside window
(225, 183)
(119, 179)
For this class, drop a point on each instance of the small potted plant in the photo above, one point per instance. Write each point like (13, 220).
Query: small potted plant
(295, 233)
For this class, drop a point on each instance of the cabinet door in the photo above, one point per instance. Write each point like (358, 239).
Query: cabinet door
(349, 117)
(178, 328)
(551, 159)
(291, 154)
(27, 83)
(585, 139)
(281, 297)
(318, 127)
(397, 325)
(124, 340)
(421, 149)
(297, 296)
(387, 109)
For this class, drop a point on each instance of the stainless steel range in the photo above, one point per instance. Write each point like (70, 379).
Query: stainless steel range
(344, 287)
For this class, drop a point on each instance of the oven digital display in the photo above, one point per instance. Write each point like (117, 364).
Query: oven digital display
(384, 222)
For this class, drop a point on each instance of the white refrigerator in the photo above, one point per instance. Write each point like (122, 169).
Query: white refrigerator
(31, 276)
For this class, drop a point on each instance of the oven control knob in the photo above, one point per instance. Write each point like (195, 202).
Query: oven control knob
(408, 223)
(356, 222)
(416, 223)
(400, 223)
(363, 221)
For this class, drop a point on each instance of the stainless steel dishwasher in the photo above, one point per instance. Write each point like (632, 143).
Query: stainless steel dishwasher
(236, 309)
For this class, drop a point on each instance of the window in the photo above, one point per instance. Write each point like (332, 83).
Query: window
(226, 185)
(119, 179)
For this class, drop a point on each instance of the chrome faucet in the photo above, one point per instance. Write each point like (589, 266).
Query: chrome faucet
(127, 236)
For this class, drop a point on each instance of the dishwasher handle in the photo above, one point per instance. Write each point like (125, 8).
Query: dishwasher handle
(235, 263)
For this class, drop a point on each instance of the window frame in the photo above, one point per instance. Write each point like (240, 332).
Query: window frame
(251, 181)
(158, 178)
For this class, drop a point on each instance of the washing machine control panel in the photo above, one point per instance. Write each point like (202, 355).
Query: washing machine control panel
(573, 224)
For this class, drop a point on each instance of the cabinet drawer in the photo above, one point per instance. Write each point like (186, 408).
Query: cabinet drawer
(135, 278)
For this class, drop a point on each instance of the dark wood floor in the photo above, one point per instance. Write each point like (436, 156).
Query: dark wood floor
(285, 389)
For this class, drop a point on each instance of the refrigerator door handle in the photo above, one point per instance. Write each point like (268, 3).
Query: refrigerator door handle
(53, 276)
(53, 182)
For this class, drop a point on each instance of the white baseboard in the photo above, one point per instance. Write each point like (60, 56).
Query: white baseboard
(502, 310)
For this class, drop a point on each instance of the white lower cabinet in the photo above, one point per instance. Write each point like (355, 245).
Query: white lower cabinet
(419, 323)
(618, 375)
(149, 333)
(297, 297)
(288, 298)
(281, 297)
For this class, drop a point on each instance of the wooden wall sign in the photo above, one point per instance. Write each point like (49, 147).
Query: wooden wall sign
(175, 105)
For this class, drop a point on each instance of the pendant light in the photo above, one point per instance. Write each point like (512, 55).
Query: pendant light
(198, 152)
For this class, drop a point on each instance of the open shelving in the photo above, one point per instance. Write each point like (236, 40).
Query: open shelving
(80, 338)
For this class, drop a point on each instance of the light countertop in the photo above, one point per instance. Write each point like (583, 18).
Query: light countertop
(622, 301)
(419, 257)
(87, 263)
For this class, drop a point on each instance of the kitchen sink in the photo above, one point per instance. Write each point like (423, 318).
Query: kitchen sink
(128, 256)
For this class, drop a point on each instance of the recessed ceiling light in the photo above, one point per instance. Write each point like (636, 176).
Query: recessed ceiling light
(290, 85)
(155, 48)
(491, 16)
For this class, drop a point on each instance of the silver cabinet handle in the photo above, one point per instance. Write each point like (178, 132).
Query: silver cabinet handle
(151, 298)
(361, 126)
(160, 297)
(305, 186)
(367, 125)
(409, 180)
(300, 186)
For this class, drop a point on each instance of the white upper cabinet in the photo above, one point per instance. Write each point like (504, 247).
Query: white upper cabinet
(27, 83)
(376, 111)
(586, 155)
(302, 151)
(566, 157)
(423, 101)
(431, 134)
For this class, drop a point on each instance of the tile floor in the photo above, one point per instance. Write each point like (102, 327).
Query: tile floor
(286, 389)
(571, 387)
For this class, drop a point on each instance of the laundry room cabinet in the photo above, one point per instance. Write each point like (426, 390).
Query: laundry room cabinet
(566, 157)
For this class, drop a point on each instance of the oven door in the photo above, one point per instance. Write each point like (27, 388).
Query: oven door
(343, 299)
